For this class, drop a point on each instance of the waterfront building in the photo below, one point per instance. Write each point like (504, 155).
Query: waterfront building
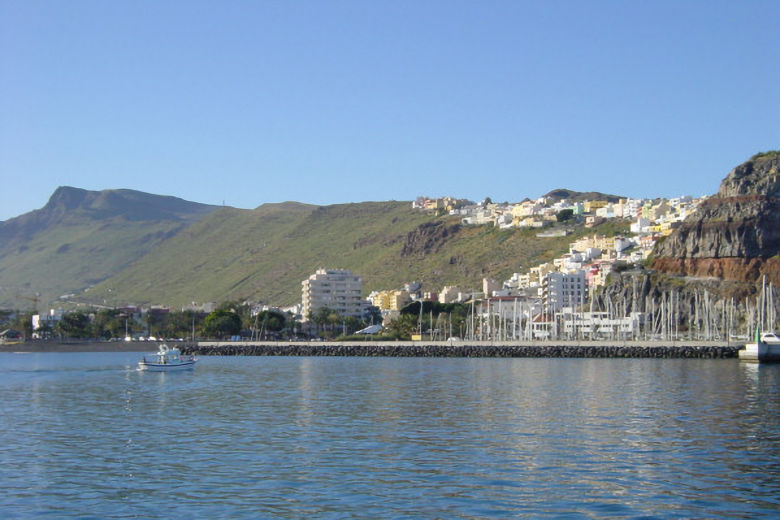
(537, 273)
(430, 296)
(43, 324)
(390, 300)
(336, 289)
(599, 325)
(450, 294)
(489, 286)
(564, 290)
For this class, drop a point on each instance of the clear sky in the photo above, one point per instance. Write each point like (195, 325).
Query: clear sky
(247, 102)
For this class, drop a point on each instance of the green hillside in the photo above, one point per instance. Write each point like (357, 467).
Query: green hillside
(118, 247)
(264, 254)
(81, 238)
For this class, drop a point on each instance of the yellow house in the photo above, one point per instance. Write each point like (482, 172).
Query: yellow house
(593, 205)
(391, 300)
(434, 204)
(605, 243)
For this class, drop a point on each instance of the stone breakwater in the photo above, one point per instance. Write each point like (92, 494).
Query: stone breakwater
(693, 350)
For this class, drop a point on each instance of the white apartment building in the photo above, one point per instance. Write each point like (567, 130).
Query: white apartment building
(336, 289)
(450, 294)
(564, 290)
(45, 322)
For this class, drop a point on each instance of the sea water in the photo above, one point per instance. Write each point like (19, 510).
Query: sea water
(86, 435)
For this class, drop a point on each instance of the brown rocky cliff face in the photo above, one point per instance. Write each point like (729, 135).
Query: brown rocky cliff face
(734, 235)
(428, 238)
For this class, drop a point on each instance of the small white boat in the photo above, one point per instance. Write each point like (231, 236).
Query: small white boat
(766, 348)
(166, 359)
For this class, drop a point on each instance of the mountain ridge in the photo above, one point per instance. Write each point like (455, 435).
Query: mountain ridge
(118, 247)
(82, 237)
(260, 254)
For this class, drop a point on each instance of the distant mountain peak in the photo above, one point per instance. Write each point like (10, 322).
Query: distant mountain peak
(560, 193)
(579, 196)
(127, 203)
(82, 237)
(66, 197)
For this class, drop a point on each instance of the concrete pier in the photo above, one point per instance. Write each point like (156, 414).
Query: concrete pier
(504, 349)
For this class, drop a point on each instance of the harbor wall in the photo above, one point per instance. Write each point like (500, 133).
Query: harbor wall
(560, 349)
(77, 346)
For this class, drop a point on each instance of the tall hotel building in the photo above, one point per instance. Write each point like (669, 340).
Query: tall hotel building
(336, 289)
(564, 290)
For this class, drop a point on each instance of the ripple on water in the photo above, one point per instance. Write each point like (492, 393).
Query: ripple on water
(388, 438)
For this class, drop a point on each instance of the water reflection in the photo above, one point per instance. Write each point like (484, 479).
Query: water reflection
(388, 438)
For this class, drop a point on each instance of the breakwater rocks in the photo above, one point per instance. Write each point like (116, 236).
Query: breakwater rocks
(693, 350)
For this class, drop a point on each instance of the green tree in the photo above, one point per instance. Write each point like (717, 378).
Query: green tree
(6, 317)
(293, 327)
(350, 324)
(456, 315)
(269, 321)
(564, 215)
(373, 316)
(321, 317)
(156, 322)
(244, 311)
(23, 323)
(44, 330)
(402, 327)
(108, 324)
(180, 324)
(221, 323)
(74, 325)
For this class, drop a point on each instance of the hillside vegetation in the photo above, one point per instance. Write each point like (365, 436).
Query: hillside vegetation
(83, 237)
(264, 254)
(119, 247)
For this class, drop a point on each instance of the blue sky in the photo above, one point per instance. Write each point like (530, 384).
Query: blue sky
(247, 102)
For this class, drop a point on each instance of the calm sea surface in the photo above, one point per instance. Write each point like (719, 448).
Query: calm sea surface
(88, 436)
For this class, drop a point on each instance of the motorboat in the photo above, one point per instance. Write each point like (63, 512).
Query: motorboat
(765, 348)
(770, 338)
(166, 359)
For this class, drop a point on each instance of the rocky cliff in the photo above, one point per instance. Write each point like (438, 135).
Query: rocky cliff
(734, 235)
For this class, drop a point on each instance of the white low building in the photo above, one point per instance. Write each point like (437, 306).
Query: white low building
(45, 323)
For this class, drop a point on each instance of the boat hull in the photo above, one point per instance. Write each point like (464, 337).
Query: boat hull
(761, 352)
(166, 367)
